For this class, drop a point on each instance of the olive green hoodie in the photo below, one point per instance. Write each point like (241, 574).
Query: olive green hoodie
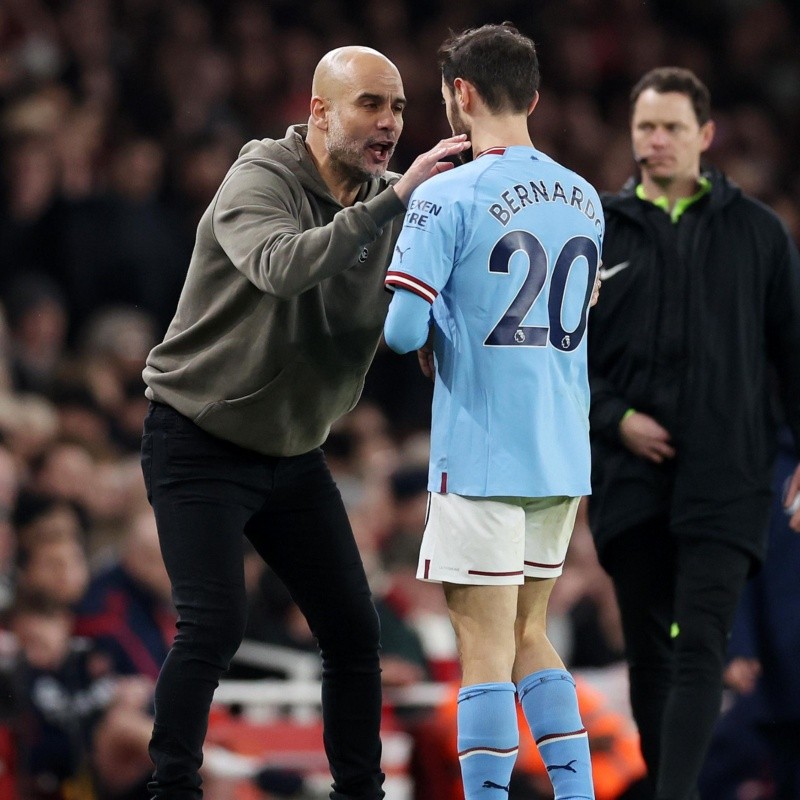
(283, 304)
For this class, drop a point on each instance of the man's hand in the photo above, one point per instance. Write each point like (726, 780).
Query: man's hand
(429, 164)
(792, 496)
(741, 674)
(644, 437)
(596, 289)
(425, 357)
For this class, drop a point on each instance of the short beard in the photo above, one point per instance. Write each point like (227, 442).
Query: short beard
(458, 126)
(346, 155)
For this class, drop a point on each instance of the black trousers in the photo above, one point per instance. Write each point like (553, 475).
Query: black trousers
(207, 494)
(677, 597)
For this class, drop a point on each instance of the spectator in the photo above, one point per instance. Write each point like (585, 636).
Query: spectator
(31, 192)
(37, 322)
(9, 486)
(65, 470)
(51, 558)
(29, 426)
(80, 732)
(127, 610)
(124, 246)
(60, 690)
(409, 494)
(112, 347)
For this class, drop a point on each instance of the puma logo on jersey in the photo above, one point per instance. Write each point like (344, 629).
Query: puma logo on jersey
(605, 274)
(400, 252)
(492, 785)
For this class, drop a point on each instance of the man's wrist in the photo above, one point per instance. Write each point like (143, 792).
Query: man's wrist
(627, 414)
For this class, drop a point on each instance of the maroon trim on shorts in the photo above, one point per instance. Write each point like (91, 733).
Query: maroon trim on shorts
(497, 574)
(544, 566)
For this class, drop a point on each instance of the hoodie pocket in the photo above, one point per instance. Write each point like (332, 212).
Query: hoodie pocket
(272, 389)
(290, 415)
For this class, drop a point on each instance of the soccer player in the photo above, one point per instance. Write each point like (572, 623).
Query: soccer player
(495, 271)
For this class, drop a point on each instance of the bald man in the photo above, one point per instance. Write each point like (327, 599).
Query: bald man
(278, 321)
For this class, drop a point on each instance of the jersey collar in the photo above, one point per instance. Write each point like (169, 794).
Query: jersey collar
(492, 151)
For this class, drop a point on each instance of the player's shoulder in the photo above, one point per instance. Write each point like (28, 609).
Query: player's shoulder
(565, 174)
(459, 185)
(528, 162)
(448, 189)
(455, 180)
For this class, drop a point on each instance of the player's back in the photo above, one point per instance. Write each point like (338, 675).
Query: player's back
(511, 400)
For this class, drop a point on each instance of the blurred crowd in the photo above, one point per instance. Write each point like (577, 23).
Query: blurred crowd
(118, 120)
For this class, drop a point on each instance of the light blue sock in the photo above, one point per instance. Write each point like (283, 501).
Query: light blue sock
(488, 739)
(550, 704)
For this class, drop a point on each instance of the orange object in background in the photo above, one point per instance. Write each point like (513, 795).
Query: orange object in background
(616, 758)
(297, 745)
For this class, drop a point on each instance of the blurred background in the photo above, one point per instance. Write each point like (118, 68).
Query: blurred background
(118, 120)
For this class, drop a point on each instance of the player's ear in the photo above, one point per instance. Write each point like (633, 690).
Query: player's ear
(318, 116)
(463, 93)
(533, 103)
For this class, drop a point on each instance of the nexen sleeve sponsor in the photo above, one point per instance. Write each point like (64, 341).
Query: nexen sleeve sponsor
(420, 211)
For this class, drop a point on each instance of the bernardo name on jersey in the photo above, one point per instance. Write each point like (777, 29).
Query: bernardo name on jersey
(513, 200)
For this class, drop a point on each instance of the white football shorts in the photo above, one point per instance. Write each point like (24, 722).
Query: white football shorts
(495, 541)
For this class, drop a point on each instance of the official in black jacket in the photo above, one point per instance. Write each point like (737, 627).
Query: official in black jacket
(701, 299)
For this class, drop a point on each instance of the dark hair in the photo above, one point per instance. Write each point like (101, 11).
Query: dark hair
(498, 60)
(676, 79)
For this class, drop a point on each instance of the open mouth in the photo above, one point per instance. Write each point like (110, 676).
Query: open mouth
(381, 151)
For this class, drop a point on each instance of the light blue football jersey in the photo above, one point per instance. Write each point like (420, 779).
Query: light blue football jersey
(505, 249)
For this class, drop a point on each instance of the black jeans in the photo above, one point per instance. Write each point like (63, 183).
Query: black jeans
(207, 494)
(677, 597)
